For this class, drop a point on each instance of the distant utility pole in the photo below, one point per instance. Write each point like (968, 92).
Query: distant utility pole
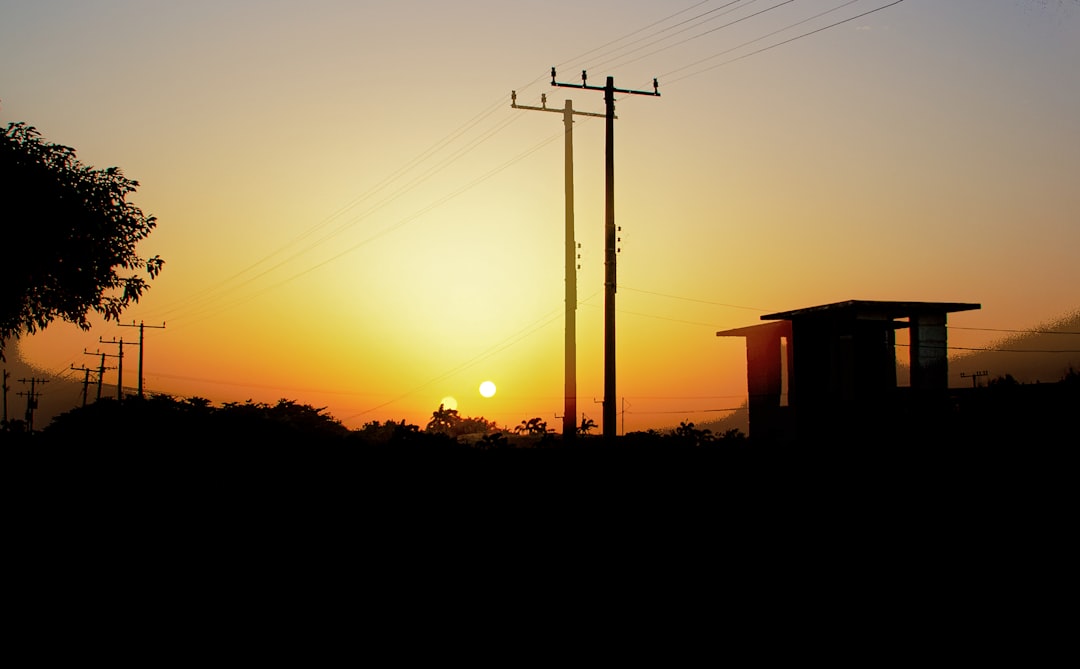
(31, 400)
(86, 380)
(101, 370)
(5, 388)
(141, 327)
(119, 367)
(610, 427)
(974, 377)
(570, 374)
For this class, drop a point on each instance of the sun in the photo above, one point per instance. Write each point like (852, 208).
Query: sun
(487, 388)
(449, 402)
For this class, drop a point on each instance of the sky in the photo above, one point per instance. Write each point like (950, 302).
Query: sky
(353, 216)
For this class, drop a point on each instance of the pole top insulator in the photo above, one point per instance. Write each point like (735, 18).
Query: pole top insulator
(553, 75)
(655, 86)
(584, 77)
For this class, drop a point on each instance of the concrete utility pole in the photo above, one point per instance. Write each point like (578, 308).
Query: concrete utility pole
(570, 374)
(101, 370)
(610, 427)
(4, 387)
(142, 327)
(31, 400)
(119, 367)
(975, 377)
(86, 380)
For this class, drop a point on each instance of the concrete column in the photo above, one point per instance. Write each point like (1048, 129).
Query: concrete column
(929, 352)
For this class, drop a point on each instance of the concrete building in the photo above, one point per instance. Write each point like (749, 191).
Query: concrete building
(831, 369)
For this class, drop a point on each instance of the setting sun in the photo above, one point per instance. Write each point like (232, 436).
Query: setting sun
(368, 254)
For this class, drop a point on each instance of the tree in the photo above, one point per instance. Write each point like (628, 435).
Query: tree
(587, 425)
(532, 426)
(443, 420)
(69, 237)
(688, 435)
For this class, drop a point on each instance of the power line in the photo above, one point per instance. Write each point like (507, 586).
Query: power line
(431, 151)
(707, 32)
(210, 312)
(690, 299)
(994, 350)
(421, 158)
(688, 411)
(1062, 332)
(691, 27)
(787, 41)
(757, 39)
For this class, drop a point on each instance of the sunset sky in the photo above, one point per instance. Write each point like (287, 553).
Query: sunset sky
(352, 215)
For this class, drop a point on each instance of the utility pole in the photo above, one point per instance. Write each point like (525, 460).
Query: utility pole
(86, 380)
(5, 388)
(570, 356)
(101, 370)
(142, 327)
(119, 367)
(31, 400)
(975, 377)
(610, 428)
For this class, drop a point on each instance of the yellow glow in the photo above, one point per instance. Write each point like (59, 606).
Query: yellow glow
(487, 389)
(323, 243)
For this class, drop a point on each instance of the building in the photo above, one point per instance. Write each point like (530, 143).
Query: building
(831, 369)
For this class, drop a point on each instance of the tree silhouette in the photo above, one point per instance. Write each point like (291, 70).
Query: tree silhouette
(443, 420)
(69, 237)
(688, 435)
(587, 424)
(532, 426)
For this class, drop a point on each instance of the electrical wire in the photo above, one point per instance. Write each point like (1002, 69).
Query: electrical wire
(1061, 332)
(707, 32)
(690, 299)
(757, 39)
(401, 222)
(651, 25)
(787, 41)
(457, 134)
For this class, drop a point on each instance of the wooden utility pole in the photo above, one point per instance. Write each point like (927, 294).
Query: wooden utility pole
(86, 380)
(4, 387)
(119, 367)
(101, 369)
(570, 339)
(31, 400)
(142, 327)
(610, 427)
(975, 377)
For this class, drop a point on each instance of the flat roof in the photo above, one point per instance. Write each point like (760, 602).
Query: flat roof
(880, 308)
(749, 330)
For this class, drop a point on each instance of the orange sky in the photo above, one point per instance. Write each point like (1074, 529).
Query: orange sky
(353, 216)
